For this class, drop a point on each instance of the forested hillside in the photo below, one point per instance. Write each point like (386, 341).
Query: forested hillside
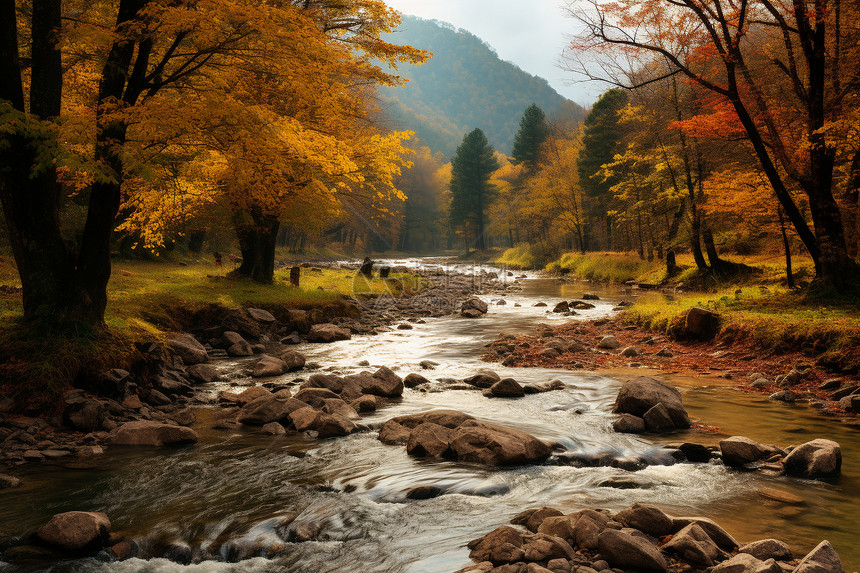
(464, 86)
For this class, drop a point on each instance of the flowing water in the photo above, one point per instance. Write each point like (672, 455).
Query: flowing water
(226, 495)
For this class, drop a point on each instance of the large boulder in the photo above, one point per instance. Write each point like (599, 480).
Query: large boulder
(488, 443)
(448, 418)
(506, 388)
(483, 379)
(623, 550)
(266, 409)
(428, 439)
(75, 531)
(187, 348)
(476, 304)
(719, 535)
(148, 433)
(816, 459)
(268, 366)
(202, 373)
(822, 559)
(738, 451)
(293, 360)
(241, 321)
(647, 518)
(328, 332)
(694, 546)
(629, 424)
(701, 324)
(384, 383)
(502, 545)
(82, 412)
(638, 395)
(768, 549)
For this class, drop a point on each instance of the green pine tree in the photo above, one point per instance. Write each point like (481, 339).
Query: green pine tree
(528, 140)
(599, 146)
(471, 191)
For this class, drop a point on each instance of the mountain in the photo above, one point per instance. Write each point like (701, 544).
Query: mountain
(463, 86)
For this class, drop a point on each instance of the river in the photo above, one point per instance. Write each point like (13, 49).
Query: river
(227, 494)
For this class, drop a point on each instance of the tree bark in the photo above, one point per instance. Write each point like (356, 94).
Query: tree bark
(258, 236)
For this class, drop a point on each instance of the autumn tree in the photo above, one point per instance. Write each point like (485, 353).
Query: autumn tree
(471, 192)
(784, 69)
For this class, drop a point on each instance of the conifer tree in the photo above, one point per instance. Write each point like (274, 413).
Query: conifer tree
(532, 134)
(471, 191)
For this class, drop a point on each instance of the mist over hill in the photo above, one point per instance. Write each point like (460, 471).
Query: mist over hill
(463, 86)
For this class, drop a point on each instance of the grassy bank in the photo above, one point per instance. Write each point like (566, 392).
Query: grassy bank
(773, 320)
(147, 300)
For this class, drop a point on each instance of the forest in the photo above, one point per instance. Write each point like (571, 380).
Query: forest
(317, 285)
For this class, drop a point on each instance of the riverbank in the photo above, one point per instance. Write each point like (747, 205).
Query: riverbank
(729, 356)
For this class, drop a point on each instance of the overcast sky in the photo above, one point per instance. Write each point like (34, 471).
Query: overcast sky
(529, 33)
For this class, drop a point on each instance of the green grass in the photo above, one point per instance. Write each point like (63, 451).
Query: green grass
(624, 267)
(520, 257)
(772, 318)
(146, 301)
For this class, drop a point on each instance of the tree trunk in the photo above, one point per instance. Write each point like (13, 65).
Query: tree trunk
(696, 242)
(257, 239)
(789, 274)
(711, 249)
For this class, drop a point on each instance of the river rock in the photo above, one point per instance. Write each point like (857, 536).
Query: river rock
(609, 342)
(414, 380)
(768, 549)
(261, 316)
(532, 519)
(506, 388)
(7, 481)
(816, 459)
(719, 535)
(187, 348)
(315, 397)
(428, 439)
(148, 433)
(638, 395)
(483, 379)
(81, 412)
(489, 443)
(240, 321)
(273, 428)
(475, 304)
(646, 518)
(694, 546)
(271, 408)
(623, 550)
(822, 559)
(240, 349)
(365, 404)
(393, 433)
(385, 383)
(75, 531)
(629, 424)
(561, 307)
(448, 418)
(588, 526)
(746, 563)
(657, 419)
(202, 373)
(328, 332)
(502, 545)
(700, 324)
(268, 366)
(293, 360)
(738, 451)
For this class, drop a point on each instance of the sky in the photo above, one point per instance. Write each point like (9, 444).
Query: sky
(529, 33)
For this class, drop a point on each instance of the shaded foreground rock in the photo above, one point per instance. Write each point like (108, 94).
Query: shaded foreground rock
(816, 459)
(75, 531)
(146, 433)
(637, 539)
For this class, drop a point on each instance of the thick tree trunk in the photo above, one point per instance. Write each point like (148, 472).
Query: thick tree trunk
(258, 236)
(696, 242)
(716, 262)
